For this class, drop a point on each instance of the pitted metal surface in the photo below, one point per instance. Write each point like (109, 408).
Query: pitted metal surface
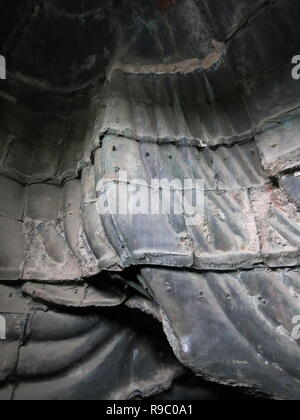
(169, 90)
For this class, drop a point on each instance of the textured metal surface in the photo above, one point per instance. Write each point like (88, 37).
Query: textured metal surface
(247, 220)
(162, 90)
(291, 184)
(233, 327)
(168, 107)
(95, 355)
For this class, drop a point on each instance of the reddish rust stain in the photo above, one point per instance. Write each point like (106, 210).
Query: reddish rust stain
(278, 201)
(276, 198)
(164, 5)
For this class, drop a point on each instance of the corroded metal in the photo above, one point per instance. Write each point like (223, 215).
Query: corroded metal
(200, 91)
